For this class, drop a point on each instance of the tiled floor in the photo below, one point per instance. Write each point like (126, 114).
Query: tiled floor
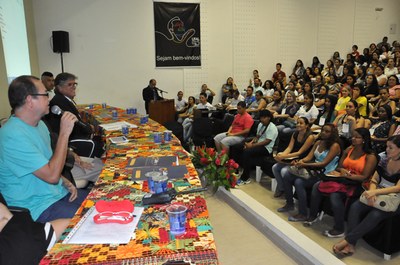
(238, 241)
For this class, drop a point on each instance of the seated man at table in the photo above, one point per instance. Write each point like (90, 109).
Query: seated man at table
(65, 93)
(237, 132)
(30, 171)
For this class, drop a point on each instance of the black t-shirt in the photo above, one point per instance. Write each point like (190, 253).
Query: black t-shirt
(22, 241)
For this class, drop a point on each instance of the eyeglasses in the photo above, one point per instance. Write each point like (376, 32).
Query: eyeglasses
(71, 84)
(38, 94)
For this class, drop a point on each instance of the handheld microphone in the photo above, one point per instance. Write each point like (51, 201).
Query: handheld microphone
(58, 111)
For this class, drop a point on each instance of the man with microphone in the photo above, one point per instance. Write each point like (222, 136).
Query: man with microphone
(30, 171)
(65, 93)
(150, 93)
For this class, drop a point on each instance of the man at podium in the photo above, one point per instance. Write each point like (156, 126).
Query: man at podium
(150, 93)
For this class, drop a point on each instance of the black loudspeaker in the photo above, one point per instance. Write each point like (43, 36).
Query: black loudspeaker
(60, 41)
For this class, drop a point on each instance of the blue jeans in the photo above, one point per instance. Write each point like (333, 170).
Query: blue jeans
(300, 185)
(63, 208)
(280, 170)
(337, 200)
(362, 219)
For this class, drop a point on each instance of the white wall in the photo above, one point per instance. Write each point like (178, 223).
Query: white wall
(112, 42)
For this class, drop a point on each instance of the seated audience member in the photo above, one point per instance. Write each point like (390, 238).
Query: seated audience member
(380, 76)
(342, 101)
(381, 129)
(291, 86)
(210, 93)
(255, 76)
(250, 98)
(308, 75)
(279, 75)
(64, 99)
(307, 110)
(371, 68)
(285, 114)
(187, 118)
(383, 100)
(299, 146)
(371, 88)
(30, 171)
(357, 164)
(316, 63)
(48, 82)
(257, 85)
(149, 93)
(268, 91)
(393, 86)
(228, 86)
(333, 85)
(23, 241)
(203, 104)
(324, 154)
(328, 115)
(325, 71)
(363, 218)
(360, 77)
(347, 123)
(354, 52)
(279, 86)
(299, 69)
(231, 103)
(274, 105)
(390, 68)
(361, 100)
(337, 65)
(259, 147)
(257, 105)
(320, 98)
(237, 132)
(180, 103)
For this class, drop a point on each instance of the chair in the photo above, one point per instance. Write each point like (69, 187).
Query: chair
(82, 147)
(203, 132)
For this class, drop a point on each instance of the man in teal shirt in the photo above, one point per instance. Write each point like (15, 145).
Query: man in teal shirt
(30, 173)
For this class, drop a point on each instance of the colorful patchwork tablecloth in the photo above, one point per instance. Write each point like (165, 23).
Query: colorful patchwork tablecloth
(153, 243)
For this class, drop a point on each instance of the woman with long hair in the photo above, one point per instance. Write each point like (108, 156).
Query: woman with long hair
(268, 91)
(328, 115)
(384, 99)
(299, 68)
(300, 144)
(227, 87)
(371, 89)
(277, 101)
(347, 122)
(324, 154)
(363, 218)
(342, 101)
(356, 164)
(382, 128)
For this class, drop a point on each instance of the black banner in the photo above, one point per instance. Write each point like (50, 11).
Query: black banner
(177, 34)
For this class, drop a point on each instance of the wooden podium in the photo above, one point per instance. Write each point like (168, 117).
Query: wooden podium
(162, 111)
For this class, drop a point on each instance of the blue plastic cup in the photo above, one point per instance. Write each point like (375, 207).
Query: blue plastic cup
(91, 106)
(157, 137)
(177, 219)
(167, 136)
(150, 181)
(114, 114)
(160, 184)
(125, 129)
(133, 110)
(142, 119)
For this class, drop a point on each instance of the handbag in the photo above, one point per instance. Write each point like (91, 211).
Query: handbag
(306, 173)
(387, 202)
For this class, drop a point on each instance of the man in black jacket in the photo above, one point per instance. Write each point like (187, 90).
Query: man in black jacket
(150, 93)
(65, 93)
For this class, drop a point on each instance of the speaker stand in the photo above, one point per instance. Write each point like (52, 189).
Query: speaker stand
(62, 62)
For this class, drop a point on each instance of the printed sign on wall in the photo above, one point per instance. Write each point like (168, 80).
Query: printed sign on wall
(177, 34)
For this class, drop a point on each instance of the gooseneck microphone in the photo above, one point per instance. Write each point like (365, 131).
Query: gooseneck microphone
(58, 111)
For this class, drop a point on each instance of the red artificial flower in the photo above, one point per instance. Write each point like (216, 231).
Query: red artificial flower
(218, 162)
(204, 161)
